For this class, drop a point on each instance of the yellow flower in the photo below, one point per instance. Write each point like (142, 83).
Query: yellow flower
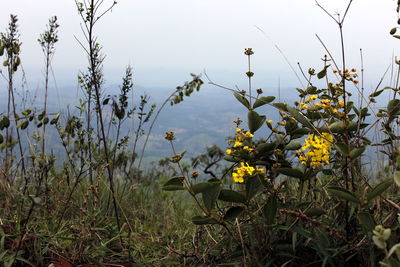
(248, 148)
(237, 144)
(270, 121)
(229, 151)
(304, 106)
(316, 150)
(282, 123)
(341, 103)
(311, 98)
(326, 106)
(244, 170)
(238, 130)
(248, 134)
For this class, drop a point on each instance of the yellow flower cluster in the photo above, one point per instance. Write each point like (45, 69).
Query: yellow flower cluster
(238, 142)
(325, 104)
(316, 150)
(243, 171)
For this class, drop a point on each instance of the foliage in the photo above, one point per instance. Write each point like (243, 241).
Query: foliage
(299, 196)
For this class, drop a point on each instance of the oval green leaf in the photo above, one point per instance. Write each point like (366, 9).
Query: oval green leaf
(292, 172)
(173, 184)
(343, 194)
(231, 196)
(355, 153)
(242, 100)
(293, 145)
(255, 121)
(262, 101)
(379, 189)
(233, 213)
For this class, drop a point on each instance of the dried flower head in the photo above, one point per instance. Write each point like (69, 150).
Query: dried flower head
(170, 136)
(248, 51)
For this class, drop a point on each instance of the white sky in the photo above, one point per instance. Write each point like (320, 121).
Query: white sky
(169, 38)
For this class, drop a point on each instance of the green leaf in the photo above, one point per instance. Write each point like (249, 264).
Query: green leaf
(337, 127)
(41, 115)
(230, 158)
(311, 90)
(379, 189)
(210, 195)
(342, 148)
(393, 107)
(343, 194)
(26, 112)
(396, 178)
(46, 120)
(242, 100)
(4, 123)
(55, 119)
(366, 221)
(293, 145)
(352, 126)
(315, 212)
(270, 210)
(376, 93)
(231, 196)
(355, 153)
(393, 31)
(233, 213)
(201, 187)
(24, 125)
(266, 147)
(253, 185)
(292, 172)
(173, 184)
(263, 100)
(322, 73)
(202, 220)
(255, 121)
(1, 139)
(299, 117)
(301, 131)
(280, 106)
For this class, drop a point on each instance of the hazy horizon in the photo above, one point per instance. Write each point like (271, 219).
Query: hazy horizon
(166, 40)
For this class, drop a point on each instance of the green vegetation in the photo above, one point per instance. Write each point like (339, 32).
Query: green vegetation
(299, 195)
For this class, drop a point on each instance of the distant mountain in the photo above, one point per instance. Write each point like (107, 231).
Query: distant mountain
(204, 119)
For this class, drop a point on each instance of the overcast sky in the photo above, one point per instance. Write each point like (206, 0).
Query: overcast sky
(166, 39)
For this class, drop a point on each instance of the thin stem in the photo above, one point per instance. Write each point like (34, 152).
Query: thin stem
(249, 65)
